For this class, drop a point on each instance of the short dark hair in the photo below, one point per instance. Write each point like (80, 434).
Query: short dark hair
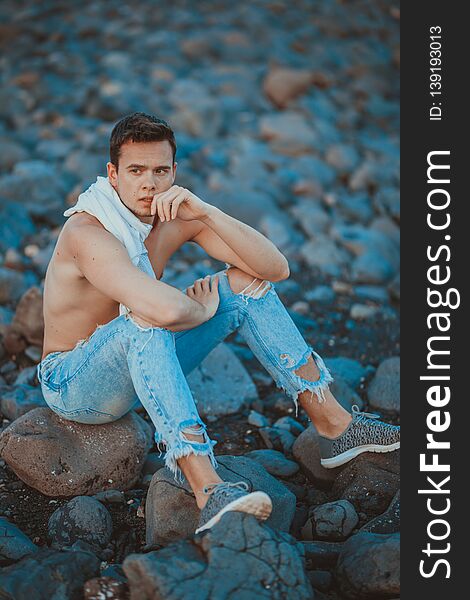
(139, 127)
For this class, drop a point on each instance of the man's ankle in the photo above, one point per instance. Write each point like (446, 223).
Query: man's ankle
(333, 428)
(202, 497)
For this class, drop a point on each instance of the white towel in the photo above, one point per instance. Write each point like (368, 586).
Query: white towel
(102, 201)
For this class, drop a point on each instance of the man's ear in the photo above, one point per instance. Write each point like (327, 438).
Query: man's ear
(174, 171)
(112, 173)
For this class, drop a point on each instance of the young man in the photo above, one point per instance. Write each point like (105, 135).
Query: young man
(115, 333)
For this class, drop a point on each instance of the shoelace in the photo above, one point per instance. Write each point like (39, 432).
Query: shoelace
(224, 486)
(361, 415)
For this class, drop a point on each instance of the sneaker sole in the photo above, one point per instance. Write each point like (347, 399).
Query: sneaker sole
(341, 459)
(258, 504)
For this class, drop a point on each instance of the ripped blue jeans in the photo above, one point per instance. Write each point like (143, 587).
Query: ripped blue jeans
(104, 376)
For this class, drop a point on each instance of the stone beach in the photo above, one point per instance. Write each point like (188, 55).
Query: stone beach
(286, 116)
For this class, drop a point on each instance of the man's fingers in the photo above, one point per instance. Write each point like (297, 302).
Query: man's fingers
(175, 205)
(202, 284)
(163, 200)
(215, 283)
(159, 209)
(197, 285)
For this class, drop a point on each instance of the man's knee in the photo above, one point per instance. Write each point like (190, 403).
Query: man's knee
(240, 281)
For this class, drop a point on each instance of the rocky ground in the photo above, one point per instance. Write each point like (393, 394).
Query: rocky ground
(287, 117)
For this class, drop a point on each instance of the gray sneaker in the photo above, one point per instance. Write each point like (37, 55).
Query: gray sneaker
(363, 434)
(228, 496)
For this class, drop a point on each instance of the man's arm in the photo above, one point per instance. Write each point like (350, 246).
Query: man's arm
(225, 238)
(105, 263)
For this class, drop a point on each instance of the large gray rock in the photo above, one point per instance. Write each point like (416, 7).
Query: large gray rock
(238, 558)
(333, 521)
(290, 424)
(277, 438)
(49, 575)
(306, 451)
(83, 518)
(384, 389)
(274, 462)
(369, 482)
(172, 513)
(369, 566)
(220, 384)
(387, 522)
(72, 458)
(14, 544)
(321, 555)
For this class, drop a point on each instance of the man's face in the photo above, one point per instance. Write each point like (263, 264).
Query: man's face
(145, 169)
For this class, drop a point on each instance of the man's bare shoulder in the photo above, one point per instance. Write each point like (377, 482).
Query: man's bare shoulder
(82, 219)
(81, 227)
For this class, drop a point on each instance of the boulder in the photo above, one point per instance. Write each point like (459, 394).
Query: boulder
(72, 458)
(321, 555)
(277, 438)
(306, 451)
(83, 518)
(290, 424)
(237, 558)
(369, 482)
(387, 522)
(333, 521)
(171, 509)
(384, 389)
(14, 544)
(220, 384)
(274, 462)
(369, 566)
(49, 574)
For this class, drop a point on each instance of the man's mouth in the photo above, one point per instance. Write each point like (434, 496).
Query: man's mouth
(147, 199)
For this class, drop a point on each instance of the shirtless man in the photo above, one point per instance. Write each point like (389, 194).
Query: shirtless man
(91, 273)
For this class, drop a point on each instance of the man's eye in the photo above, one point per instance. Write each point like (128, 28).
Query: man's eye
(134, 170)
(161, 171)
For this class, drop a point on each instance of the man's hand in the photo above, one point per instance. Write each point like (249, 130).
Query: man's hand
(206, 292)
(178, 201)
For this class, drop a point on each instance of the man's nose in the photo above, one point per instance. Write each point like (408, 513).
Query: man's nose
(150, 185)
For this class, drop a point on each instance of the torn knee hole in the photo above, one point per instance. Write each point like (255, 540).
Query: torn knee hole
(256, 288)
